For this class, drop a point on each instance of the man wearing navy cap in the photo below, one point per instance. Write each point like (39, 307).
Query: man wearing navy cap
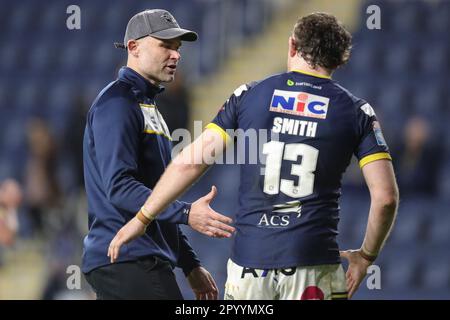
(126, 148)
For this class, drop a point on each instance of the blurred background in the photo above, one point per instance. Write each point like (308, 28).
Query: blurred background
(49, 76)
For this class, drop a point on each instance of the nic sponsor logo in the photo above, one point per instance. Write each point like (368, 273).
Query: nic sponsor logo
(299, 103)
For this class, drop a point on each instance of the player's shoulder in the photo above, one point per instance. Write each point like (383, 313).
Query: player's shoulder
(271, 81)
(353, 100)
(256, 85)
(244, 88)
(116, 95)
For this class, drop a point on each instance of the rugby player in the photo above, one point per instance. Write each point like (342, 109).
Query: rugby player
(285, 243)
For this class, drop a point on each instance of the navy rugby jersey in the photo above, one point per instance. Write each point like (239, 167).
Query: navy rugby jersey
(289, 199)
(126, 148)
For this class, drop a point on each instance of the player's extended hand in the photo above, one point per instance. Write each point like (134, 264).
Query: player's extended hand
(357, 269)
(133, 229)
(203, 284)
(207, 221)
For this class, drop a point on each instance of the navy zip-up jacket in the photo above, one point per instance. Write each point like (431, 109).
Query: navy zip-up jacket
(126, 148)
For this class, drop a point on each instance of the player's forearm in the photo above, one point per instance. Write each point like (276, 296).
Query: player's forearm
(184, 170)
(381, 220)
(177, 178)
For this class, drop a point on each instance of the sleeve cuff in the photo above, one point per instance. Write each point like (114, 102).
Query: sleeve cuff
(185, 211)
(178, 212)
(374, 157)
(187, 269)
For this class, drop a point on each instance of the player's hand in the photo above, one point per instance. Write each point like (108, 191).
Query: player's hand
(357, 270)
(207, 221)
(133, 229)
(203, 284)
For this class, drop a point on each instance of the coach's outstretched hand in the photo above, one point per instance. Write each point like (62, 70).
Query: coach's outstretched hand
(357, 270)
(201, 218)
(207, 221)
(133, 229)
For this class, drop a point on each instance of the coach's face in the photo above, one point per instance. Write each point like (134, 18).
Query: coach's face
(157, 59)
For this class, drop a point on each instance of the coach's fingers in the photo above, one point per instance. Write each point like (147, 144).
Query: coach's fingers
(220, 217)
(111, 253)
(222, 226)
(110, 250)
(114, 247)
(116, 250)
(219, 233)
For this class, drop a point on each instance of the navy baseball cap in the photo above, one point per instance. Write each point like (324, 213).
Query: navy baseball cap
(157, 23)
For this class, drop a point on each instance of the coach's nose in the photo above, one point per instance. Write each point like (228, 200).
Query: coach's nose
(175, 55)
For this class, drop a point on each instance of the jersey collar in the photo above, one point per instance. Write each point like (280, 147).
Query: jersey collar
(312, 74)
(139, 82)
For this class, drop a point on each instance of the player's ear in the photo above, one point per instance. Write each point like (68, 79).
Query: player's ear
(133, 47)
(292, 47)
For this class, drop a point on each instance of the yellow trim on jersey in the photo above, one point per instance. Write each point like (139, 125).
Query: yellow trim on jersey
(218, 129)
(339, 296)
(147, 105)
(313, 74)
(158, 133)
(374, 157)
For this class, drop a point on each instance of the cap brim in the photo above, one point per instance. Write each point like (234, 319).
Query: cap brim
(183, 34)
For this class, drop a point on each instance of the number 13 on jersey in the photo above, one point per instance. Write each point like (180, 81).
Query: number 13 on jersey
(278, 151)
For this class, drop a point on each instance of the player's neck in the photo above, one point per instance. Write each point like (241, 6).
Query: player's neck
(302, 66)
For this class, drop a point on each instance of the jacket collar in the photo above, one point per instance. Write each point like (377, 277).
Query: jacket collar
(139, 82)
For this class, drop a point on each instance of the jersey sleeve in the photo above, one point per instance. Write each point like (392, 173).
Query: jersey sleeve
(187, 258)
(371, 145)
(227, 117)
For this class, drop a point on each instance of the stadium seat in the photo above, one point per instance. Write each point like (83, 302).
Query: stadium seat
(28, 99)
(72, 56)
(20, 17)
(398, 59)
(365, 57)
(444, 183)
(53, 17)
(428, 99)
(104, 57)
(400, 268)
(440, 22)
(354, 211)
(10, 56)
(433, 59)
(409, 16)
(438, 232)
(409, 223)
(436, 273)
(41, 56)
